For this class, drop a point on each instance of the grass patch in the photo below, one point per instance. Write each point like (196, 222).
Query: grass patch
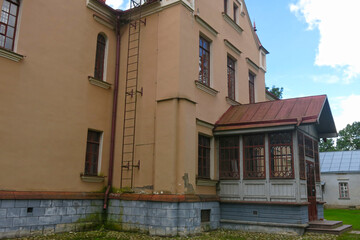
(219, 234)
(348, 216)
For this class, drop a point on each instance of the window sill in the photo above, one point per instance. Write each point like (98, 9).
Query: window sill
(344, 198)
(205, 88)
(91, 179)
(232, 102)
(10, 55)
(232, 23)
(206, 182)
(99, 83)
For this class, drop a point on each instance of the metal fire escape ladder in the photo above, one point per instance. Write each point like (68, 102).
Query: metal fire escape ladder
(131, 95)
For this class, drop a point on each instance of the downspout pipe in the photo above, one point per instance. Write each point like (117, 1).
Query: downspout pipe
(114, 113)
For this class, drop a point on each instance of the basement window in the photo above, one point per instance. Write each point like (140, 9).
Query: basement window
(205, 215)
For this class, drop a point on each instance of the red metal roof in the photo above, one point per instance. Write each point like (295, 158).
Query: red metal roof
(293, 111)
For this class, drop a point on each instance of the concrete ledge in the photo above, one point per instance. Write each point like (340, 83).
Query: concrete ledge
(164, 197)
(265, 223)
(49, 195)
(266, 203)
(294, 229)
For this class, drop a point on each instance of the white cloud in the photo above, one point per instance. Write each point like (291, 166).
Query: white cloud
(336, 22)
(326, 78)
(346, 109)
(116, 4)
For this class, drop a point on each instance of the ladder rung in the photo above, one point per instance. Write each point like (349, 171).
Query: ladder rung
(132, 71)
(130, 111)
(132, 135)
(134, 33)
(132, 63)
(127, 152)
(128, 127)
(133, 48)
(130, 102)
(128, 144)
(134, 40)
(126, 119)
(133, 55)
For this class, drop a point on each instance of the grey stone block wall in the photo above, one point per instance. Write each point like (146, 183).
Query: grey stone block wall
(20, 218)
(287, 214)
(160, 218)
(264, 218)
(320, 211)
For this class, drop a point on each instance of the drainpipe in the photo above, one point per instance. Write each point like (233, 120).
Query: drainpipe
(114, 113)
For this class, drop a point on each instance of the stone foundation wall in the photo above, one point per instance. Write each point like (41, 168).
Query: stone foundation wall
(161, 218)
(20, 218)
(320, 211)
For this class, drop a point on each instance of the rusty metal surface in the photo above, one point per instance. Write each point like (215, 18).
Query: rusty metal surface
(293, 111)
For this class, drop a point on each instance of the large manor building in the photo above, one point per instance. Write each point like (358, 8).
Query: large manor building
(153, 119)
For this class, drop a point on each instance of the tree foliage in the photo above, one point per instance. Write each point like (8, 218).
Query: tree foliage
(328, 146)
(349, 137)
(277, 91)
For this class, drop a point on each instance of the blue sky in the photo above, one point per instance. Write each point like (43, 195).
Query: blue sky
(313, 49)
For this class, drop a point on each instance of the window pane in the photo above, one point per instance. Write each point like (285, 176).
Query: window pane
(8, 43)
(12, 20)
(4, 17)
(2, 29)
(2, 41)
(10, 32)
(13, 9)
(6, 6)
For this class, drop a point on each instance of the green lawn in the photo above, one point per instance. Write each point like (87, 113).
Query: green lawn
(348, 216)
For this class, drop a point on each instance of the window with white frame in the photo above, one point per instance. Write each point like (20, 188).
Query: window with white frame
(344, 190)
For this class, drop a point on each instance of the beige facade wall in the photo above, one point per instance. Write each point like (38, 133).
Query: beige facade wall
(48, 103)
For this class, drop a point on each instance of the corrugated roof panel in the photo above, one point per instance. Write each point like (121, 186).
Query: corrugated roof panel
(345, 161)
(286, 108)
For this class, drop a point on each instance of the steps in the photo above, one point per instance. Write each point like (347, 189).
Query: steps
(328, 227)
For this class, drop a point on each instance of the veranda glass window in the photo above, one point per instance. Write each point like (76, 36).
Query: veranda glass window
(204, 61)
(317, 163)
(281, 156)
(203, 157)
(309, 147)
(229, 157)
(301, 155)
(254, 156)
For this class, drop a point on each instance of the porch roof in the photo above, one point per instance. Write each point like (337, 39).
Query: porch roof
(295, 111)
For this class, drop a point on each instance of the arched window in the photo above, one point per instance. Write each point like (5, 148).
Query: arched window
(100, 57)
(8, 22)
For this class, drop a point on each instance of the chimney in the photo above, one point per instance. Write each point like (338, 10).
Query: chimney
(103, 1)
